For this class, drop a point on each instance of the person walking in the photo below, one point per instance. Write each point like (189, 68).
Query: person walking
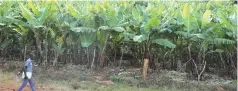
(27, 74)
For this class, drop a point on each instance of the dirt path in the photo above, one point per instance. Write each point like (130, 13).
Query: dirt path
(13, 87)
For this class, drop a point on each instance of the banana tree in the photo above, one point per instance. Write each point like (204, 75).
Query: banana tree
(4, 40)
(58, 47)
(84, 26)
(37, 19)
(200, 32)
(7, 27)
(111, 19)
(149, 25)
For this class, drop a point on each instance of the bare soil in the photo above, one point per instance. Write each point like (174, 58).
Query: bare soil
(11, 86)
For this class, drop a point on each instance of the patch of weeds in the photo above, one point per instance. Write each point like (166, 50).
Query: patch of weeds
(88, 86)
(82, 78)
(116, 79)
(94, 86)
(124, 87)
(230, 87)
(75, 85)
(234, 82)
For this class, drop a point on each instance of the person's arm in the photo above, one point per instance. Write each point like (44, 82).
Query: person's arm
(22, 70)
(25, 71)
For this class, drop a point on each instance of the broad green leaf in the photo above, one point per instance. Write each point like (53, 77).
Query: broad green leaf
(145, 16)
(164, 42)
(102, 34)
(154, 12)
(72, 10)
(26, 13)
(87, 39)
(104, 28)
(15, 21)
(33, 7)
(201, 36)
(179, 17)
(111, 18)
(186, 11)
(92, 8)
(128, 35)
(183, 34)
(152, 22)
(44, 15)
(136, 15)
(83, 29)
(160, 8)
(187, 17)
(140, 38)
(120, 13)
(117, 37)
(106, 5)
(118, 29)
(142, 28)
(206, 18)
(208, 5)
(86, 35)
(220, 41)
(124, 3)
(98, 8)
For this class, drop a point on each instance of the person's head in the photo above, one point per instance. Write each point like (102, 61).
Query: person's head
(30, 56)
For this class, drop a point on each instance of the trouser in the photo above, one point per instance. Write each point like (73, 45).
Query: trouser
(25, 81)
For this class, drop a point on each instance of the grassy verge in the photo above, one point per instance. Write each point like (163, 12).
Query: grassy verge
(78, 79)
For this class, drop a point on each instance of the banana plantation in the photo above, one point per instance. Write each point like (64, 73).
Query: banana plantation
(192, 37)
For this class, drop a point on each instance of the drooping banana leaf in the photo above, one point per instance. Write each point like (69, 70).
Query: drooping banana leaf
(26, 13)
(103, 33)
(86, 35)
(220, 41)
(165, 42)
(140, 38)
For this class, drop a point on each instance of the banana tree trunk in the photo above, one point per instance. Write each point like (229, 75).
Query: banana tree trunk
(88, 64)
(38, 44)
(56, 59)
(103, 52)
(146, 60)
(94, 54)
(46, 47)
(122, 53)
(46, 52)
(25, 48)
(145, 68)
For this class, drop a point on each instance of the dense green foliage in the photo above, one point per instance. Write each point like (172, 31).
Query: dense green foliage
(83, 32)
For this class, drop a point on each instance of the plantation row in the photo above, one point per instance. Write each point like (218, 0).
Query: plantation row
(200, 36)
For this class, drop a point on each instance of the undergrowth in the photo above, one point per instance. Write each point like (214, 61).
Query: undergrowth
(74, 78)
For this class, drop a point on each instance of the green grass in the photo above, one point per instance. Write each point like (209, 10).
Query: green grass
(124, 87)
